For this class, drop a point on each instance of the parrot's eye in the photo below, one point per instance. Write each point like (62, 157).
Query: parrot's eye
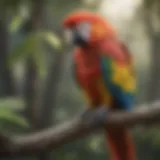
(78, 35)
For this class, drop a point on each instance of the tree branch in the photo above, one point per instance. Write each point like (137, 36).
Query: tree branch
(77, 128)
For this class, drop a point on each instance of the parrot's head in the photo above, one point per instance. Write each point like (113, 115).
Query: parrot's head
(83, 27)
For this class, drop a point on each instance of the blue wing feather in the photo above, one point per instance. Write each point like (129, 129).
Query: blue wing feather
(124, 99)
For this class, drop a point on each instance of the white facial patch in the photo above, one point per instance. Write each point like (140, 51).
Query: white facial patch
(83, 29)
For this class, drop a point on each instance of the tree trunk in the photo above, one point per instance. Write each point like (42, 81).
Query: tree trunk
(154, 83)
(7, 87)
(49, 97)
(31, 82)
(30, 91)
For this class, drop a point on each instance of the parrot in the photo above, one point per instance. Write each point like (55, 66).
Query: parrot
(104, 69)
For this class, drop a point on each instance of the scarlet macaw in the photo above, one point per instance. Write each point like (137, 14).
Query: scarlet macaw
(104, 70)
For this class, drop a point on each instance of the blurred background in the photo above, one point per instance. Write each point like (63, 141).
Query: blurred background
(37, 88)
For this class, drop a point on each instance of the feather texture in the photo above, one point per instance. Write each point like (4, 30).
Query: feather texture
(104, 70)
(119, 81)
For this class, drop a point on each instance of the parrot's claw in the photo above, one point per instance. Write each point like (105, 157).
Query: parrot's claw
(94, 116)
(85, 113)
(101, 114)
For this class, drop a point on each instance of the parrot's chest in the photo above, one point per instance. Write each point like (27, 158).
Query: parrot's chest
(88, 75)
(88, 67)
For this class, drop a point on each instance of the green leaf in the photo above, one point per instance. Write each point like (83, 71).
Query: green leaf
(12, 117)
(16, 23)
(11, 103)
(8, 106)
(52, 39)
(39, 58)
(7, 110)
(32, 44)
(24, 49)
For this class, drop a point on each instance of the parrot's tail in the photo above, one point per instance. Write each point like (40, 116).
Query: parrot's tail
(121, 145)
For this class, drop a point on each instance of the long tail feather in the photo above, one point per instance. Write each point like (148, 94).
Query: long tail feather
(121, 145)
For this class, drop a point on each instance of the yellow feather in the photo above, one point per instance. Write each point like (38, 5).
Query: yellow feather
(123, 77)
(106, 97)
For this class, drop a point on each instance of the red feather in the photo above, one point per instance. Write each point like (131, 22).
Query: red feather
(87, 70)
(121, 144)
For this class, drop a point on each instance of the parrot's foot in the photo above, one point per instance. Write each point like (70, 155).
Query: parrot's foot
(95, 116)
(101, 114)
(85, 113)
